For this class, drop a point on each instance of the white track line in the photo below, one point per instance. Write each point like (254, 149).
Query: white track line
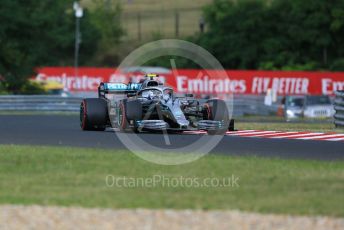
(321, 137)
(244, 131)
(335, 139)
(297, 135)
(277, 133)
(240, 132)
(253, 134)
(248, 133)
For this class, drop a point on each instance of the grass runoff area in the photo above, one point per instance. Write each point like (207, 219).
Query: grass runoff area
(86, 177)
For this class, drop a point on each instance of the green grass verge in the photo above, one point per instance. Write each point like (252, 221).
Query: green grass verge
(76, 177)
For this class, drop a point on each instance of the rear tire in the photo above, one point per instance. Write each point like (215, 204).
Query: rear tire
(216, 110)
(93, 114)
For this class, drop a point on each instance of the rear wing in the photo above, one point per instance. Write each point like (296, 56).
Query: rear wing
(118, 88)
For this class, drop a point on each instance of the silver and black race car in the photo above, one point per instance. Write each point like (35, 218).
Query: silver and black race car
(151, 106)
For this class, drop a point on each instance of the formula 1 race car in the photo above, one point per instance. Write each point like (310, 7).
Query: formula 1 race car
(151, 106)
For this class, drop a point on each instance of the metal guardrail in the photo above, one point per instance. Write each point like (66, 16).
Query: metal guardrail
(252, 105)
(39, 103)
(242, 104)
(339, 107)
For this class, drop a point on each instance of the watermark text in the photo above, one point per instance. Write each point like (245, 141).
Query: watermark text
(171, 182)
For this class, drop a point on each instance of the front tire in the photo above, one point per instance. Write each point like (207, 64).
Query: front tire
(216, 110)
(93, 114)
(129, 113)
(122, 117)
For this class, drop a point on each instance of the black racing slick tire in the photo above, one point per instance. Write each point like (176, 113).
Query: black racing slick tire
(216, 110)
(93, 114)
(129, 113)
(122, 117)
(134, 110)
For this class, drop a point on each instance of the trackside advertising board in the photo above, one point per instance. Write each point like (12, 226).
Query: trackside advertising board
(204, 81)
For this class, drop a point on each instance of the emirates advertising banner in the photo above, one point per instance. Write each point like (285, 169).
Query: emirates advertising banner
(196, 81)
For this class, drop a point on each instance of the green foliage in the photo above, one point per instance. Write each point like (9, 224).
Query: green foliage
(106, 19)
(235, 32)
(166, 61)
(2, 88)
(180, 62)
(31, 88)
(338, 65)
(39, 33)
(277, 34)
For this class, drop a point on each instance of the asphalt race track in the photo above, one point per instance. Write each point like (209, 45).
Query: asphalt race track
(63, 130)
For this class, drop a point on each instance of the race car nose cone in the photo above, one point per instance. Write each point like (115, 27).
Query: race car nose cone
(183, 123)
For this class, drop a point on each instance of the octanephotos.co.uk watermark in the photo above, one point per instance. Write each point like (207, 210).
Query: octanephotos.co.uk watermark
(153, 181)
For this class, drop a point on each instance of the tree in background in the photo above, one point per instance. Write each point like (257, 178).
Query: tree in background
(277, 34)
(106, 18)
(37, 33)
(235, 32)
